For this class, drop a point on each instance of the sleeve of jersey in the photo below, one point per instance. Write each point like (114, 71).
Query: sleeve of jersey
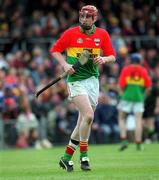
(122, 78)
(147, 78)
(62, 43)
(107, 45)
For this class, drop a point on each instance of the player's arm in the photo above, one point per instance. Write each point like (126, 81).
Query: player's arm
(104, 59)
(61, 60)
(56, 51)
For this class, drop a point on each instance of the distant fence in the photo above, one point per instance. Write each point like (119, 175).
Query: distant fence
(23, 44)
(1, 134)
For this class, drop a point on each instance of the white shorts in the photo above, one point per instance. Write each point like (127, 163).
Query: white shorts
(89, 87)
(131, 107)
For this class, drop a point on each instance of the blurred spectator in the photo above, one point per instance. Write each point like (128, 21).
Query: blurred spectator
(27, 126)
(157, 117)
(42, 112)
(9, 115)
(62, 129)
(50, 25)
(71, 115)
(117, 40)
(105, 126)
(112, 91)
(122, 56)
(127, 29)
(11, 78)
(3, 63)
(17, 61)
(150, 112)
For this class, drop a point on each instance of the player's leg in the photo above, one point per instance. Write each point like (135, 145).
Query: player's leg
(123, 131)
(75, 133)
(138, 130)
(83, 104)
(138, 113)
(65, 161)
(122, 124)
(75, 89)
(74, 140)
(149, 128)
(106, 129)
(85, 95)
(124, 107)
(91, 87)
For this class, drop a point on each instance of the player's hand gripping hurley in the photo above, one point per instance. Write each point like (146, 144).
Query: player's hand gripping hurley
(81, 61)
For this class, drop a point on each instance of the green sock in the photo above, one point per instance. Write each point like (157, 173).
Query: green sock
(151, 133)
(70, 149)
(139, 147)
(67, 157)
(83, 154)
(124, 142)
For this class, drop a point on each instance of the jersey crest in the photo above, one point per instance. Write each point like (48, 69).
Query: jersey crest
(79, 40)
(97, 41)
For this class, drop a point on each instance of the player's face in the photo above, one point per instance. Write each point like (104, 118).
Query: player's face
(86, 21)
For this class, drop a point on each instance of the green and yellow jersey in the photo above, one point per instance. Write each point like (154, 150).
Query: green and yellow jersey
(74, 41)
(133, 80)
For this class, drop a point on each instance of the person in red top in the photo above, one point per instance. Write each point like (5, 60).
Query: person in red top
(83, 85)
(133, 81)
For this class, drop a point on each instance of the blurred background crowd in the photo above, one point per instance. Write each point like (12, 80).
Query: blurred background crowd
(27, 31)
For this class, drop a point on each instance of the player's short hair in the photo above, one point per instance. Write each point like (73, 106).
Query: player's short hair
(135, 58)
(89, 10)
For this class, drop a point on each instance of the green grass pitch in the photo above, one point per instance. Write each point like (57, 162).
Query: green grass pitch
(106, 161)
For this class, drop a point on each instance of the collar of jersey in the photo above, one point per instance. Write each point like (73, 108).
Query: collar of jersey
(92, 30)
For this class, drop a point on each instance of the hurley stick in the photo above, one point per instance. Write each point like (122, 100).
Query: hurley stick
(81, 61)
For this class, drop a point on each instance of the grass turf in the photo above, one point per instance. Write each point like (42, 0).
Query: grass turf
(106, 161)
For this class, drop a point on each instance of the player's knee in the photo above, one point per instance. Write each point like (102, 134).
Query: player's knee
(89, 117)
(122, 115)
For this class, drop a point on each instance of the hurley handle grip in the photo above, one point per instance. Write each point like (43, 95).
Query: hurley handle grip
(75, 67)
